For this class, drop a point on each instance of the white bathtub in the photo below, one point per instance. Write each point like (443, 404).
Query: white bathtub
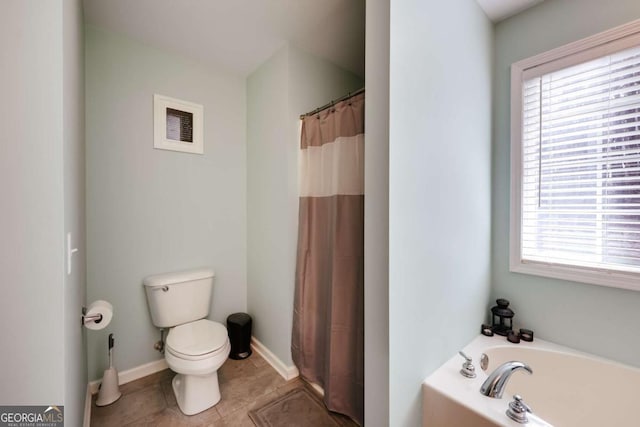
(568, 388)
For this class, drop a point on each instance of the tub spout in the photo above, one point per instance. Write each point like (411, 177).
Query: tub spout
(494, 385)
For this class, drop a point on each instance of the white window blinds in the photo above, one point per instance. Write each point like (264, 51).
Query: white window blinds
(580, 178)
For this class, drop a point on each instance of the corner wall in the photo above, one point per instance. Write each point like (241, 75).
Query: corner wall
(271, 211)
(376, 217)
(153, 211)
(75, 284)
(439, 189)
(590, 318)
(290, 83)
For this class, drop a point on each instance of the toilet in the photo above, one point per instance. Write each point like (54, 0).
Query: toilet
(195, 347)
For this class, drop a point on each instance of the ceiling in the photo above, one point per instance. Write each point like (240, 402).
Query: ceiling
(239, 35)
(497, 10)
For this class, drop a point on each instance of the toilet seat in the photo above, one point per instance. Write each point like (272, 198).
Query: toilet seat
(197, 340)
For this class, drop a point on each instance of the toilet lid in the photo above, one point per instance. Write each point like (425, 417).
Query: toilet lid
(197, 338)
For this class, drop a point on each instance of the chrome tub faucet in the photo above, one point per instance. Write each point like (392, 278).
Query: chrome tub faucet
(495, 384)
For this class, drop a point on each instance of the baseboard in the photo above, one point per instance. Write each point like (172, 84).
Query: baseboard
(287, 372)
(86, 422)
(133, 373)
(317, 388)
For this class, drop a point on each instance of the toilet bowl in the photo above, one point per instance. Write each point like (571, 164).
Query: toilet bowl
(195, 347)
(195, 351)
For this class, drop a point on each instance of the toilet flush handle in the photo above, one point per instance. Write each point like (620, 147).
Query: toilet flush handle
(164, 288)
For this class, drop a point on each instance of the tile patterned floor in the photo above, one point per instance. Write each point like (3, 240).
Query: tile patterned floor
(149, 401)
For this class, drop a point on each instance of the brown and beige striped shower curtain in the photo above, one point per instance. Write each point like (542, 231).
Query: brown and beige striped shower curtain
(328, 321)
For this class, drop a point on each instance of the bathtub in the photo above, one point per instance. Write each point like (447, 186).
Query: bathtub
(568, 388)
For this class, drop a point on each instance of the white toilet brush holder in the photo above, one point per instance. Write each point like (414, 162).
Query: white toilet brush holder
(109, 388)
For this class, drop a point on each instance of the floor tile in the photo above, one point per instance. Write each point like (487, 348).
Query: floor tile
(232, 369)
(290, 385)
(173, 417)
(240, 417)
(167, 391)
(240, 391)
(244, 384)
(258, 361)
(168, 417)
(130, 407)
(146, 381)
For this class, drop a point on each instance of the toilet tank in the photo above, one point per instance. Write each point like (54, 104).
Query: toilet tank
(180, 297)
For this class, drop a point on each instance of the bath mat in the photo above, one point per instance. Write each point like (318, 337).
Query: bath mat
(299, 407)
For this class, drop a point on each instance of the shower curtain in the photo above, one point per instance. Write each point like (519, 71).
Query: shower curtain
(328, 321)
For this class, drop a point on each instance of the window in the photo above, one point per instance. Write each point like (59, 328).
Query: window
(575, 147)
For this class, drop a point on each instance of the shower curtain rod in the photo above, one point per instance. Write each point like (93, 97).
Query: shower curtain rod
(332, 103)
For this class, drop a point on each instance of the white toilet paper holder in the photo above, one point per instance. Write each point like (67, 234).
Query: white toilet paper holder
(96, 318)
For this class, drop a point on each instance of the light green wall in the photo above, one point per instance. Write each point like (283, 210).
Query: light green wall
(290, 83)
(599, 320)
(270, 213)
(43, 361)
(153, 211)
(32, 196)
(439, 189)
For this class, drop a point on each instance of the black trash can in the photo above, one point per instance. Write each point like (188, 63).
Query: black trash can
(239, 329)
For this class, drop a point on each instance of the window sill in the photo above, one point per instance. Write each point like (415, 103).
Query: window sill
(629, 281)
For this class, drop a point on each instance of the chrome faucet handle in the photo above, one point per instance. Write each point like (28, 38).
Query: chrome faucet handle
(518, 410)
(467, 358)
(468, 370)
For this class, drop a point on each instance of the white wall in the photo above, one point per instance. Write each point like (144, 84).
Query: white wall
(153, 211)
(376, 216)
(591, 318)
(439, 189)
(290, 83)
(31, 218)
(75, 359)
